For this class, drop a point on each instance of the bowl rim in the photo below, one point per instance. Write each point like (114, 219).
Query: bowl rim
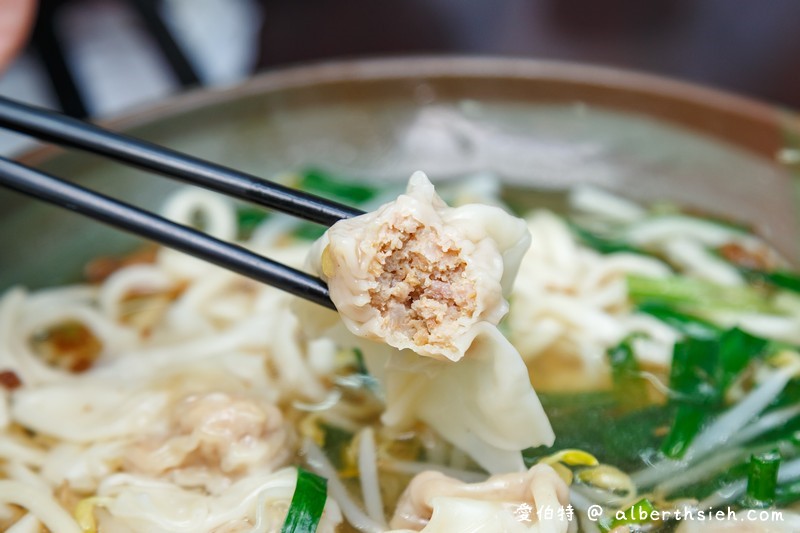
(653, 86)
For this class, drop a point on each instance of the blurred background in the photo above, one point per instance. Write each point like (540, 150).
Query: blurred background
(100, 58)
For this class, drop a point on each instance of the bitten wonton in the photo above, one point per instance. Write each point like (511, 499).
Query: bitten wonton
(421, 275)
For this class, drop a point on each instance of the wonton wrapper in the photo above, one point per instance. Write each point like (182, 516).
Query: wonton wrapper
(484, 404)
(471, 385)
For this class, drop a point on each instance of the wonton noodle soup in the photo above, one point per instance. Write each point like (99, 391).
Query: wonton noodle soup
(166, 394)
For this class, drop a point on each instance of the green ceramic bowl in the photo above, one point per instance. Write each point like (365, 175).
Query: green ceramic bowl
(541, 126)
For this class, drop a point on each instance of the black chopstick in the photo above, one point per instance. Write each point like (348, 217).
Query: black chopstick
(53, 127)
(127, 217)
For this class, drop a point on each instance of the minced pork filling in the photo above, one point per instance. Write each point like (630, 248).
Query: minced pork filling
(421, 288)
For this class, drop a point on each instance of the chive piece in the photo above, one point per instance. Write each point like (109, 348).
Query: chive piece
(308, 231)
(782, 279)
(308, 502)
(762, 479)
(367, 379)
(640, 513)
(787, 493)
(629, 388)
(702, 370)
(785, 280)
(689, 325)
(790, 395)
(693, 293)
(360, 364)
(694, 365)
(335, 444)
(694, 362)
(736, 349)
(604, 245)
(687, 424)
(333, 187)
(248, 218)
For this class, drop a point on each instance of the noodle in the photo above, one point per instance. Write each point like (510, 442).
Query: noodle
(40, 504)
(368, 473)
(27, 524)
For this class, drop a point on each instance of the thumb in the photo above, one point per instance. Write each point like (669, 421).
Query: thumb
(16, 18)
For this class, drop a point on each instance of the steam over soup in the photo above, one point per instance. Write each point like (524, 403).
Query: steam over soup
(483, 372)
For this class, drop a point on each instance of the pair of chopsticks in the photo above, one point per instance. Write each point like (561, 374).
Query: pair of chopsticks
(55, 128)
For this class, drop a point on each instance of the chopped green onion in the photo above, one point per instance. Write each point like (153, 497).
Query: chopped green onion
(336, 188)
(689, 325)
(640, 513)
(762, 479)
(308, 502)
(692, 293)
